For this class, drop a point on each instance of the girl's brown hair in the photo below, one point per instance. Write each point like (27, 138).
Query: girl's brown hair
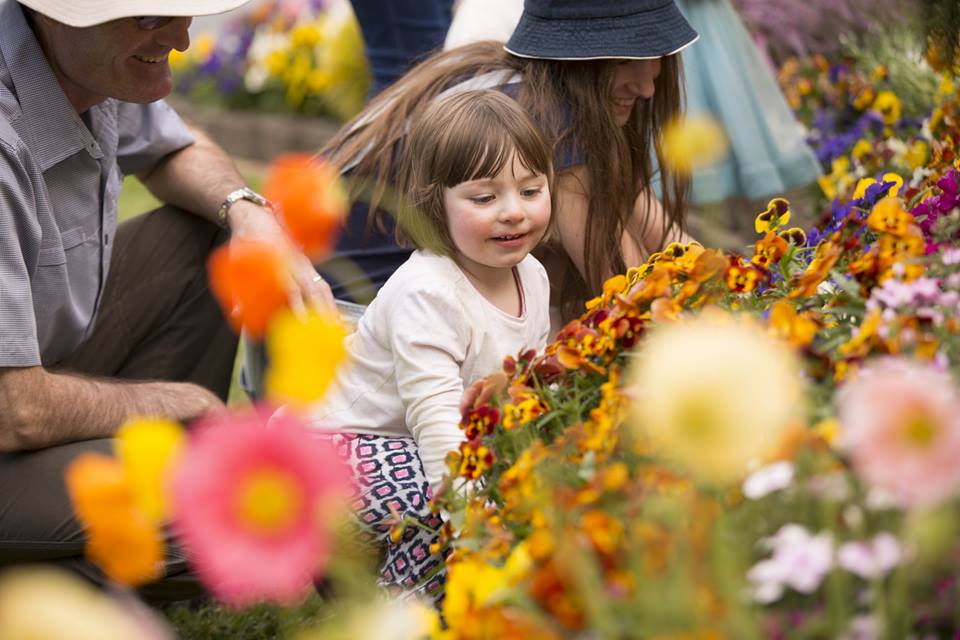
(461, 137)
(571, 102)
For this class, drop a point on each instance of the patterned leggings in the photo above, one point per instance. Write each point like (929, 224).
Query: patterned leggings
(389, 474)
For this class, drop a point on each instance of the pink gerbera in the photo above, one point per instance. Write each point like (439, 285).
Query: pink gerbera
(253, 504)
(900, 424)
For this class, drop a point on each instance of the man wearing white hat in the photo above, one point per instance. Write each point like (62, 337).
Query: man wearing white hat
(81, 88)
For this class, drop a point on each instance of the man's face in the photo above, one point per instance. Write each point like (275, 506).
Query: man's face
(116, 59)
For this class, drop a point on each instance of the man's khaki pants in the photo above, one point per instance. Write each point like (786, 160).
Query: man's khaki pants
(157, 321)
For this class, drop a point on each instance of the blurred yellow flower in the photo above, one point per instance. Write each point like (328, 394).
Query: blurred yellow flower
(916, 155)
(693, 142)
(47, 604)
(472, 585)
(947, 87)
(277, 62)
(304, 353)
(861, 149)
(838, 180)
(888, 105)
(714, 393)
(202, 47)
(179, 60)
(828, 430)
(147, 449)
(306, 34)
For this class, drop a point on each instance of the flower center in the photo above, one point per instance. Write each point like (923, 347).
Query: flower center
(920, 430)
(268, 501)
(695, 419)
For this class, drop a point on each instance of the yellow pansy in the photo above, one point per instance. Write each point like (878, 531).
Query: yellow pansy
(775, 216)
(888, 105)
(861, 149)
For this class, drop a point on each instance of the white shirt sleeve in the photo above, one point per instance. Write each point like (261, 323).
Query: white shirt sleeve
(429, 338)
(477, 20)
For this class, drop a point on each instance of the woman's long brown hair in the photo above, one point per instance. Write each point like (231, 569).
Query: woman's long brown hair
(571, 102)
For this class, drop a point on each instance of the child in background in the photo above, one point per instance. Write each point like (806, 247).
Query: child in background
(477, 173)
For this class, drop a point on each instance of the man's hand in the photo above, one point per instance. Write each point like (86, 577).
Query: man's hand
(253, 222)
(42, 408)
(197, 178)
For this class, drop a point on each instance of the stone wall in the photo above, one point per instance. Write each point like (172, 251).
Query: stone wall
(256, 136)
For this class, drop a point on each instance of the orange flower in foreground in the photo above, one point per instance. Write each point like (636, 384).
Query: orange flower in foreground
(120, 537)
(310, 202)
(249, 280)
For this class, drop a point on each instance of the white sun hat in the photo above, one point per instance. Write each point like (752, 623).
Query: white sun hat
(86, 13)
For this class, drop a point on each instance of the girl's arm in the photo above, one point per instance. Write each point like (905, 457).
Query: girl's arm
(429, 339)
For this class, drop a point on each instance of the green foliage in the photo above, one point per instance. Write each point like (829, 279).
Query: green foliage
(217, 622)
(940, 20)
(900, 49)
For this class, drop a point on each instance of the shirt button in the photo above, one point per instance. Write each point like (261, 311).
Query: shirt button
(106, 238)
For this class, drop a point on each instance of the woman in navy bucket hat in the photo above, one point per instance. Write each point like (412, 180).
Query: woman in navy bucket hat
(601, 78)
(600, 29)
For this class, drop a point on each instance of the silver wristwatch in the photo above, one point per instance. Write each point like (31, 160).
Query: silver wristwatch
(244, 193)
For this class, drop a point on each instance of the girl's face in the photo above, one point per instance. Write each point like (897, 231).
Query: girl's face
(495, 222)
(632, 79)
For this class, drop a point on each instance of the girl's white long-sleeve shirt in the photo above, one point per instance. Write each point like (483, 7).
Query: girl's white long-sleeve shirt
(427, 336)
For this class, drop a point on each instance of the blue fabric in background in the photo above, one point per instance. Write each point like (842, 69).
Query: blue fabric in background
(726, 77)
(399, 33)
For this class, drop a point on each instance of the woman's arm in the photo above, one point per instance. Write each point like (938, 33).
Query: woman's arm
(641, 237)
(650, 238)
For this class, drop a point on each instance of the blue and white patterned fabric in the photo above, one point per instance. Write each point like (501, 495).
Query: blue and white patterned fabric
(389, 482)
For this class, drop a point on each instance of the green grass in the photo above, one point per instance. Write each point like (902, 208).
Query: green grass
(134, 200)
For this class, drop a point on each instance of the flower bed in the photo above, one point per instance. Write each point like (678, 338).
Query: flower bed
(656, 473)
(305, 58)
(721, 446)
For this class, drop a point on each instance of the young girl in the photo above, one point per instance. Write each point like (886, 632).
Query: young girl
(477, 174)
(600, 78)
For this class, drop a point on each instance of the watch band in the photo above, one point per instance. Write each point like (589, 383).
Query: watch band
(243, 193)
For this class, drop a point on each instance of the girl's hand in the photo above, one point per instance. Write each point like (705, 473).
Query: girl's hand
(480, 392)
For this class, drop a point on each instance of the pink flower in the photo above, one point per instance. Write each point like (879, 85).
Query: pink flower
(766, 480)
(253, 506)
(799, 561)
(900, 423)
(871, 559)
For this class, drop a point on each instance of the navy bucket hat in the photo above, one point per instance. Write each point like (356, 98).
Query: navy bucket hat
(598, 29)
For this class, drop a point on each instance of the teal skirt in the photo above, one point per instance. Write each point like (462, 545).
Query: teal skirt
(727, 78)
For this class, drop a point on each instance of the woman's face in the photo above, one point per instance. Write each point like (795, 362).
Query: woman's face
(632, 79)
